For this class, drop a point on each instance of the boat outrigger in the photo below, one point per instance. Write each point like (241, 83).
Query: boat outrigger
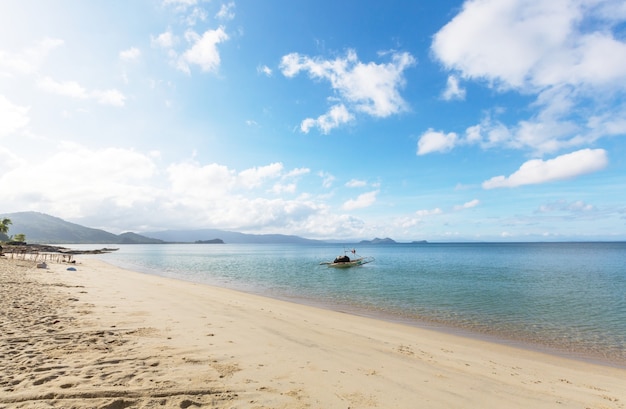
(345, 261)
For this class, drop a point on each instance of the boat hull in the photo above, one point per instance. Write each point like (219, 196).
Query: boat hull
(352, 263)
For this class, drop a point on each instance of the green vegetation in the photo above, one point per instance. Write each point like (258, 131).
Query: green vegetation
(4, 228)
(4, 225)
(45, 229)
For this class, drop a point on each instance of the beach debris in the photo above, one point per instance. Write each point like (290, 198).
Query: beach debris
(42, 265)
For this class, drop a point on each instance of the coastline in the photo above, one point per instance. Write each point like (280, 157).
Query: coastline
(103, 336)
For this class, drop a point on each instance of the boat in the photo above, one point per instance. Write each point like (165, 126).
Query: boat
(345, 261)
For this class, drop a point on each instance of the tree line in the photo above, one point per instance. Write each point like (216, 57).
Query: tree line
(4, 229)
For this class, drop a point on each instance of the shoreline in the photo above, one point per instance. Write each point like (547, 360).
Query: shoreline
(497, 337)
(103, 336)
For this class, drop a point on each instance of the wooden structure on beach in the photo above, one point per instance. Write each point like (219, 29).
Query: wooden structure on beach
(43, 253)
(28, 253)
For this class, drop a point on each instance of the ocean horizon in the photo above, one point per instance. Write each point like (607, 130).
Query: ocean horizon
(560, 297)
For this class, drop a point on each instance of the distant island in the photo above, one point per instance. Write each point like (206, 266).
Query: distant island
(212, 241)
(40, 228)
(386, 240)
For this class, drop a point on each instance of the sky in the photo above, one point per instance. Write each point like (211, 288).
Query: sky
(477, 120)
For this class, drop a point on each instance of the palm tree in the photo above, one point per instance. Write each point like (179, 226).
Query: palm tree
(4, 225)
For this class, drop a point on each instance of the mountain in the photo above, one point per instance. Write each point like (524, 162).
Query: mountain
(378, 241)
(191, 236)
(43, 228)
(134, 238)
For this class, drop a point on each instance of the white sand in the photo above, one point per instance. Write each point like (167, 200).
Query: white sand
(103, 337)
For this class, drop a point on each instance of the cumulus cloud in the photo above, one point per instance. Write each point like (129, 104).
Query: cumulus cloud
(453, 89)
(562, 167)
(335, 117)
(165, 40)
(131, 187)
(565, 53)
(218, 196)
(362, 201)
(203, 51)
(369, 88)
(112, 174)
(434, 141)
(522, 43)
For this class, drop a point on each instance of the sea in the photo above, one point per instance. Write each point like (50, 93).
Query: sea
(561, 298)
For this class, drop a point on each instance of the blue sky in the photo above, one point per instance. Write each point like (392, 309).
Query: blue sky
(491, 120)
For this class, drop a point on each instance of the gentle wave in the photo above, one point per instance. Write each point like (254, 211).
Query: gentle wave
(567, 297)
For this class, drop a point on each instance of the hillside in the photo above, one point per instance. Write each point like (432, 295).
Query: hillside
(43, 228)
(191, 236)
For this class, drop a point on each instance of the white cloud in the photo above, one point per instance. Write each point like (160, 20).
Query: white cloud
(12, 117)
(420, 217)
(562, 167)
(132, 54)
(254, 177)
(428, 212)
(297, 172)
(434, 141)
(128, 187)
(215, 195)
(203, 51)
(165, 40)
(73, 89)
(181, 6)
(369, 88)
(327, 179)
(185, 3)
(29, 60)
(197, 14)
(70, 89)
(115, 175)
(467, 205)
(453, 89)
(510, 42)
(9, 160)
(567, 53)
(564, 206)
(227, 11)
(264, 69)
(110, 97)
(362, 201)
(356, 183)
(280, 188)
(335, 117)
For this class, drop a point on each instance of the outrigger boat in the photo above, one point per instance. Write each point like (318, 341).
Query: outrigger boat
(345, 261)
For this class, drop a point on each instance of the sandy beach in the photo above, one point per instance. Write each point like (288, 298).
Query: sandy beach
(104, 337)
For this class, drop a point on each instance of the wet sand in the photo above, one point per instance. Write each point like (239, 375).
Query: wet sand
(104, 337)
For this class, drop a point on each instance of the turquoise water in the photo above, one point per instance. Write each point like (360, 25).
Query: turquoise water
(563, 297)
